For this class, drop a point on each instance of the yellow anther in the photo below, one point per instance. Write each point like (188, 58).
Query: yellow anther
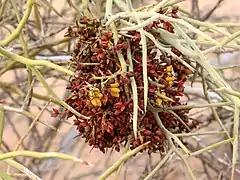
(159, 101)
(115, 94)
(95, 97)
(115, 85)
(98, 94)
(169, 68)
(96, 102)
(114, 90)
(163, 93)
(169, 79)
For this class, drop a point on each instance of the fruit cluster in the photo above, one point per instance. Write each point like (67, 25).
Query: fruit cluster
(103, 92)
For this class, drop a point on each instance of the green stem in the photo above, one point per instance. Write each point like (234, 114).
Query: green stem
(211, 147)
(27, 114)
(31, 62)
(235, 153)
(160, 164)
(134, 92)
(41, 155)
(22, 169)
(21, 25)
(49, 89)
(1, 123)
(169, 134)
(200, 133)
(3, 7)
(25, 50)
(108, 10)
(125, 157)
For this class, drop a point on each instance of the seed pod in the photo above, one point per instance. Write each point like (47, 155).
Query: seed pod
(160, 133)
(147, 132)
(118, 105)
(117, 112)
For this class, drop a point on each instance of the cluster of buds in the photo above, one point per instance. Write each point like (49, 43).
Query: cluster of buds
(101, 91)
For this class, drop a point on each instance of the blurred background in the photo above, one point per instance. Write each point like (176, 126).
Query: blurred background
(45, 41)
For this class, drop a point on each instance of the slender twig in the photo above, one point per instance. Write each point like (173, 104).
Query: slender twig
(134, 91)
(159, 165)
(21, 25)
(169, 134)
(235, 152)
(22, 169)
(27, 114)
(211, 147)
(31, 62)
(125, 157)
(40, 155)
(2, 117)
(30, 127)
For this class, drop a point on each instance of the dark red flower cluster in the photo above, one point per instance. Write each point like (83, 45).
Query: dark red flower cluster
(101, 91)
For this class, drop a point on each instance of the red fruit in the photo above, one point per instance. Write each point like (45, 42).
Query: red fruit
(167, 26)
(175, 51)
(55, 113)
(117, 148)
(118, 105)
(117, 112)
(180, 83)
(76, 122)
(87, 128)
(141, 104)
(149, 27)
(123, 108)
(110, 125)
(130, 106)
(105, 44)
(179, 94)
(126, 80)
(160, 133)
(174, 15)
(175, 9)
(156, 138)
(109, 35)
(104, 38)
(147, 132)
(195, 123)
(151, 90)
(130, 74)
(83, 124)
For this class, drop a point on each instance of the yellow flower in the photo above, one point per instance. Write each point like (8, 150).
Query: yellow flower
(104, 99)
(169, 68)
(96, 102)
(114, 94)
(163, 93)
(98, 94)
(95, 97)
(114, 90)
(170, 80)
(159, 101)
(115, 85)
